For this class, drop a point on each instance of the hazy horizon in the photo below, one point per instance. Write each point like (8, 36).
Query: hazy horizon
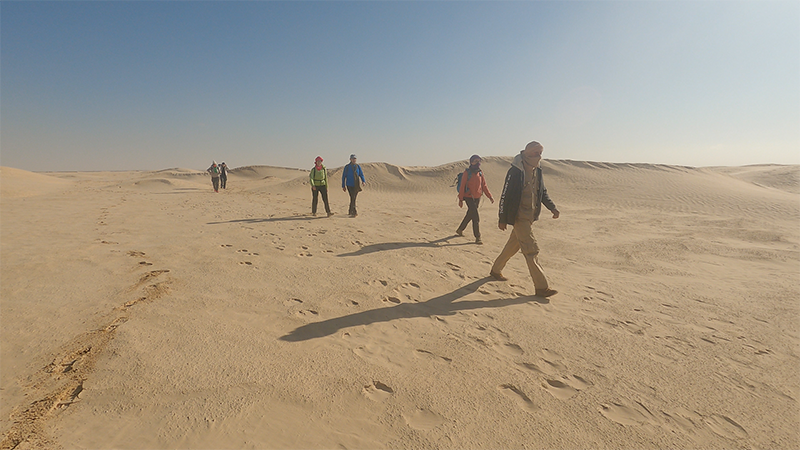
(337, 166)
(102, 86)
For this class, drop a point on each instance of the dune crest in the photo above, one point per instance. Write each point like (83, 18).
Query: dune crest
(16, 183)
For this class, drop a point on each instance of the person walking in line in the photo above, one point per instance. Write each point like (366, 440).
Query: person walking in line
(520, 205)
(215, 172)
(472, 187)
(318, 178)
(223, 175)
(350, 183)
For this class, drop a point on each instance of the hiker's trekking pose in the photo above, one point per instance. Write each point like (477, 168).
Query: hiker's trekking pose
(319, 185)
(523, 196)
(471, 187)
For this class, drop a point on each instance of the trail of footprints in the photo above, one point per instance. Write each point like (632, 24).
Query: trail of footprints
(548, 364)
(635, 413)
(60, 383)
(244, 252)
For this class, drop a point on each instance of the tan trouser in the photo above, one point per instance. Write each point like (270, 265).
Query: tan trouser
(522, 239)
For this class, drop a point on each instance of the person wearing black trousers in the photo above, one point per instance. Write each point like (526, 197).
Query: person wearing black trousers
(472, 188)
(319, 185)
(223, 175)
(350, 183)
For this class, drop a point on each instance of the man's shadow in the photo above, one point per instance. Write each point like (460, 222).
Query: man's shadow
(443, 306)
(268, 219)
(400, 245)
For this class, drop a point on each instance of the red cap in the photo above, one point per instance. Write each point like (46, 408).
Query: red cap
(319, 158)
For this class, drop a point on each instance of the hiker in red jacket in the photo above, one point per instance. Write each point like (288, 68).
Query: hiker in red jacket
(472, 187)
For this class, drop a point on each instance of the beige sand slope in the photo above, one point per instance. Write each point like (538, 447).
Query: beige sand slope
(142, 310)
(16, 183)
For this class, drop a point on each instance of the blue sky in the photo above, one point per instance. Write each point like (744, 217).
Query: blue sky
(153, 85)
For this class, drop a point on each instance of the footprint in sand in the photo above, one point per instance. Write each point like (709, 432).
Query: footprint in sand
(408, 290)
(559, 389)
(548, 364)
(246, 263)
(454, 267)
(510, 349)
(597, 295)
(135, 253)
(515, 394)
(304, 254)
(682, 421)
(725, 427)
(378, 391)
(145, 263)
(430, 356)
(627, 415)
(423, 419)
(394, 300)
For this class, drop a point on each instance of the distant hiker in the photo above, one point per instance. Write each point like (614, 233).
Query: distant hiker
(223, 175)
(350, 182)
(215, 172)
(523, 196)
(471, 187)
(318, 178)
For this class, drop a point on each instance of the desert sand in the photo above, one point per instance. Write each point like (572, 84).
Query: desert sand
(141, 310)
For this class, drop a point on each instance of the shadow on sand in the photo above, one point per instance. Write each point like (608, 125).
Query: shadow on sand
(372, 248)
(270, 219)
(442, 306)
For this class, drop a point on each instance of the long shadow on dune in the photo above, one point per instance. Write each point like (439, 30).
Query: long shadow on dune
(400, 245)
(181, 191)
(268, 219)
(442, 306)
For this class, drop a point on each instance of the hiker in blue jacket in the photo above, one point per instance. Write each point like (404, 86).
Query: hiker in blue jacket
(351, 183)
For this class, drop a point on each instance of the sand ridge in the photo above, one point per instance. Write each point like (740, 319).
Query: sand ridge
(142, 310)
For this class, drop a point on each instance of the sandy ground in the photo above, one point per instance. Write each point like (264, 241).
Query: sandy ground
(142, 310)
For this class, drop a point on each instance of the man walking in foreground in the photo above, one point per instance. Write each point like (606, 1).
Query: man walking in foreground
(523, 196)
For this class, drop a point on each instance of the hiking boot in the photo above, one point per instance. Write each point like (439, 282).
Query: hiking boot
(460, 232)
(497, 276)
(546, 292)
(330, 214)
(478, 241)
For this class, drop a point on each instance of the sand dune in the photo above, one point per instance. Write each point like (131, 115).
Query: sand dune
(785, 178)
(15, 183)
(142, 310)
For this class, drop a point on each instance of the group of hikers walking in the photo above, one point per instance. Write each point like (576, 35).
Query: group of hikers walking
(219, 175)
(352, 182)
(521, 203)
